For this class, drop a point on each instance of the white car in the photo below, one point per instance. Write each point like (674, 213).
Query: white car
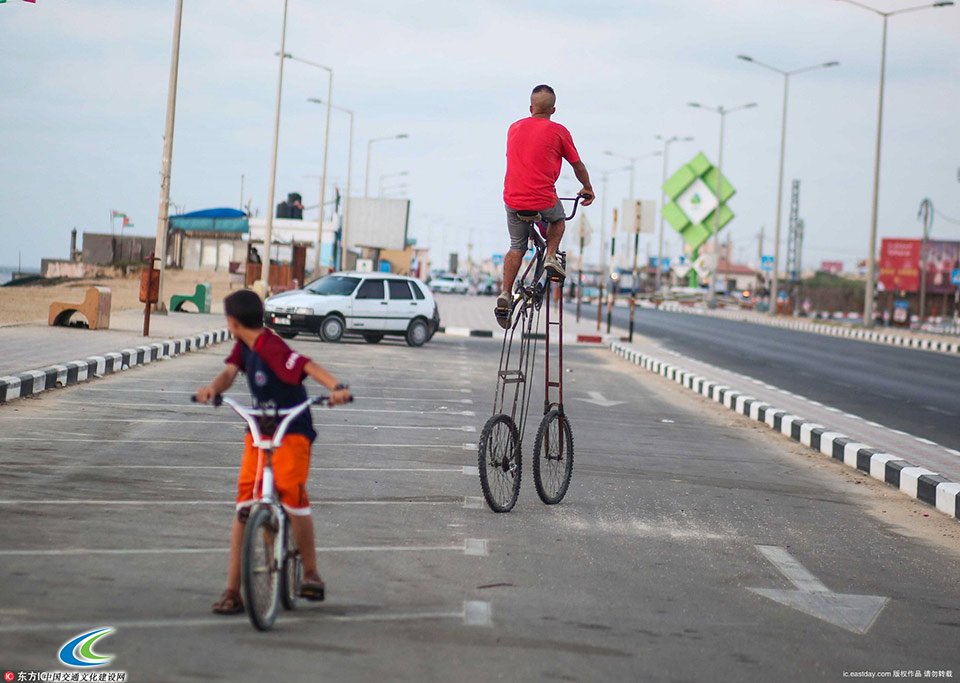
(449, 284)
(371, 304)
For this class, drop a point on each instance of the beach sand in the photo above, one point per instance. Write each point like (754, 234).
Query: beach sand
(30, 303)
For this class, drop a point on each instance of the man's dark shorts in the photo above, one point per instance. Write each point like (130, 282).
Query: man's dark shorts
(520, 229)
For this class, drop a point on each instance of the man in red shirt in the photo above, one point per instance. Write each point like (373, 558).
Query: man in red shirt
(536, 148)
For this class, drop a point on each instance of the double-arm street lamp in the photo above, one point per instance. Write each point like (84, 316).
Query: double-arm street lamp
(633, 165)
(872, 254)
(326, 154)
(342, 263)
(783, 141)
(366, 183)
(722, 111)
(663, 197)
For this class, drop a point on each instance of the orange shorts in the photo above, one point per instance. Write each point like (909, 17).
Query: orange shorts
(291, 467)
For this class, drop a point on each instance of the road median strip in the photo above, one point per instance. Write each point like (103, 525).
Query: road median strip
(32, 382)
(917, 482)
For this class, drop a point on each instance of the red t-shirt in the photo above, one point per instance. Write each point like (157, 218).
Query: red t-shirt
(284, 362)
(535, 150)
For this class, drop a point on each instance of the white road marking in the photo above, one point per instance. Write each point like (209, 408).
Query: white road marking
(38, 552)
(477, 613)
(221, 622)
(473, 502)
(471, 470)
(856, 613)
(231, 423)
(151, 503)
(193, 442)
(476, 547)
(926, 441)
(934, 409)
(353, 388)
(24, 466)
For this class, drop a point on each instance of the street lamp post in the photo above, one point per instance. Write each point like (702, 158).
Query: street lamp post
(271, 189)
(872, 255)
(163, 214)
(775, 280)
(722, 111)
(663, 197)
(326, 155)
(604, 177)
(342, 264)
(383, 177)
(366, 183)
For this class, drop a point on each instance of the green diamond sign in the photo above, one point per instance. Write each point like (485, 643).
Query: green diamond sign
(695, 200)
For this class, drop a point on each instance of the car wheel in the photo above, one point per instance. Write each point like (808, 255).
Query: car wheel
(373, 338)
(331, 329)
(418, 333)
(287, 335)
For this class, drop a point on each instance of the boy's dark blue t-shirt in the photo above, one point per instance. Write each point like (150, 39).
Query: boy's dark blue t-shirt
(275, 373)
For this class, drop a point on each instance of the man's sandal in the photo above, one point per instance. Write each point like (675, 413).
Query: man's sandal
(229, 603)
(502, 312)
(313, 590)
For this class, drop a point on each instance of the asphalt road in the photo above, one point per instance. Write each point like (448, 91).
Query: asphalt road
(914, 391)
(116, 503)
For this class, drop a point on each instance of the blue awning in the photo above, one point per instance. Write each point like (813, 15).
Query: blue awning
(212, 220)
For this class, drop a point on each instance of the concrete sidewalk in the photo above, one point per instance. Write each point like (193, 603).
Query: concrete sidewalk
(33, 346)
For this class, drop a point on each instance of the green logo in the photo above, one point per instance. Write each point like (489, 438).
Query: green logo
(695, 203)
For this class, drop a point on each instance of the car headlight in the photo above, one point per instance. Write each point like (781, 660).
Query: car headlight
(304, 311)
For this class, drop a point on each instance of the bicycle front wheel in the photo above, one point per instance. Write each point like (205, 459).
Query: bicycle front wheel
(260, 575)
(499, 463)
(553, 457)
(292, 575)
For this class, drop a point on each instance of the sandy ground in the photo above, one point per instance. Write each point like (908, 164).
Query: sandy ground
(30, 303)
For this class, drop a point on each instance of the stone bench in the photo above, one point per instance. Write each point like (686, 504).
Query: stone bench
(201, 298)
(95, 308)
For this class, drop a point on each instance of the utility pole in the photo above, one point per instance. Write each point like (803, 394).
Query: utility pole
(759, 261)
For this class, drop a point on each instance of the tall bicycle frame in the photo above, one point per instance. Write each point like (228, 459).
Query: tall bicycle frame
(500, 448)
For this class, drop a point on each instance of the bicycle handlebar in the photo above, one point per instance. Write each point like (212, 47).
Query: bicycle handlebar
(576, 203)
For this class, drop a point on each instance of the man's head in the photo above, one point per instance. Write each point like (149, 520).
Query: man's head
(244, 311)
(543, 101)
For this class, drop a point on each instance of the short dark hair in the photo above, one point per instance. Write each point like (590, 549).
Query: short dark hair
(543, 87)
(245, 307)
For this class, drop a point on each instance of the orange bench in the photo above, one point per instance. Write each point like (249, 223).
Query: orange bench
(95, 308)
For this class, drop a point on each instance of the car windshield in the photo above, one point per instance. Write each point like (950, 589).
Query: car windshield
(333, 285)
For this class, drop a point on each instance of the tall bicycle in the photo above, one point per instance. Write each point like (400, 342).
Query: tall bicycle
(500, 450)
(271, 569)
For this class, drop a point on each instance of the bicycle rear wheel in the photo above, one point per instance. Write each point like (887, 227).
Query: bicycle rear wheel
(499, 463)
(260, 575)
(292, 575)
(553, 457)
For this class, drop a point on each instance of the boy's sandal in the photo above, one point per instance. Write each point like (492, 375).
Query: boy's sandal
(229, 603)
(313, 590)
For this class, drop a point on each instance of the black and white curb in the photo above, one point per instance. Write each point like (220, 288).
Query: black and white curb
(916, 482)
(35, 381)
(952, 347)
(465, 332)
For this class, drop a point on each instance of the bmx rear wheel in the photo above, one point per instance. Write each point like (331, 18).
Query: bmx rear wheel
(292, 575)
(553, 457)
(499, 463)
(260, 575)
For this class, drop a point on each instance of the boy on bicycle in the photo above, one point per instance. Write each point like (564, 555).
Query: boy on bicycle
(536, 147)
(275, 374)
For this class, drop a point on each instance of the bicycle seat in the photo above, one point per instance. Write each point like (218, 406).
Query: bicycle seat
(532, 216)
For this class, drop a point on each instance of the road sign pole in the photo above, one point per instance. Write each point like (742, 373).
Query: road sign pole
(580, 277)
(633, 291)
(613, 266)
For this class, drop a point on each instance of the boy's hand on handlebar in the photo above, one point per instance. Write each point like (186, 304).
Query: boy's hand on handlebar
(340, 396)
(205, 394)
(587, 196)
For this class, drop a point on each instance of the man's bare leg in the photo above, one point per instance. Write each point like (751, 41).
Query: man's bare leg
(511, 266)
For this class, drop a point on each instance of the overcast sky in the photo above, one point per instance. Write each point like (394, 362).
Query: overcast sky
(83, 93)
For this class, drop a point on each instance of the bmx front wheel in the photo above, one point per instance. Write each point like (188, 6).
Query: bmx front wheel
(498, 460)
(292, 575)
(260, 575)
(553, 457)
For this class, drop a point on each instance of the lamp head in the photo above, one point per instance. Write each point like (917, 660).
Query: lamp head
(943, 4)
(401, 136)
(829, 64)
(745, 58)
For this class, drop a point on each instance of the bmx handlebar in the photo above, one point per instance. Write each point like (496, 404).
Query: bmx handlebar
(576, 203)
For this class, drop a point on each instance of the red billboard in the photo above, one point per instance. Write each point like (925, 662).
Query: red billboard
(832, 267)
(900, 265)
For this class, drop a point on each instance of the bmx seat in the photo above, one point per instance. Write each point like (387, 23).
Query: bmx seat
(532, 216)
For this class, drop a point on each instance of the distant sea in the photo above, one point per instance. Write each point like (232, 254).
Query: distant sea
(6, 273)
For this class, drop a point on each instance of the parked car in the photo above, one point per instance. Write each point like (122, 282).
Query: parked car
(487, 287)
(449, 284)
(373, 305)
